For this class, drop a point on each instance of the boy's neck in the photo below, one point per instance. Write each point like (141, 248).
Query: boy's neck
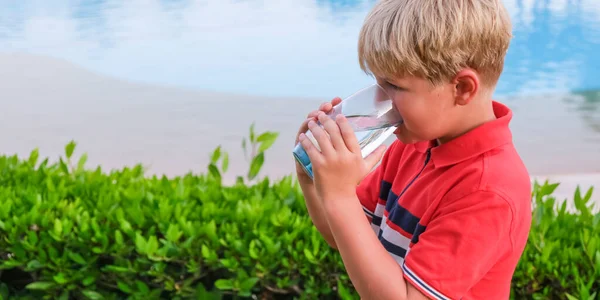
(471, 116)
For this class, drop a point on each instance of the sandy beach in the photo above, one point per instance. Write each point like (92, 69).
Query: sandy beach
(48, 102)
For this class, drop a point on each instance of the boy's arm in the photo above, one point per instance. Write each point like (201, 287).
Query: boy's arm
(373, 272)
(463, 241)
(316, 212)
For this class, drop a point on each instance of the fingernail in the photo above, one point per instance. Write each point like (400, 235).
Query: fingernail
(301, 137)
(311, 123)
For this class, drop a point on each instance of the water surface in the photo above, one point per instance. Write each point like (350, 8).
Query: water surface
(280, 47)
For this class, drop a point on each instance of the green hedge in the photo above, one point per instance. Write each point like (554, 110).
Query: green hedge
(67, 232)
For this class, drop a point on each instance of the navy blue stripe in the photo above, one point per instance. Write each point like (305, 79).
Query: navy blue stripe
(397, 250)
(368, 212)
(403, 219)
(392, 199)
(420, 229)
(384, 189)
(377, 220)
(420, 283)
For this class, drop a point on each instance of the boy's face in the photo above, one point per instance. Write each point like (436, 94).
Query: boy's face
(427, 110)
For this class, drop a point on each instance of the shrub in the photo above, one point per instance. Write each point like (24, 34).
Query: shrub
(562, 257)
(71, 232)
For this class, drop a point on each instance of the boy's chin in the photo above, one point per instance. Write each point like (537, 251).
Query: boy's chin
(406, 138)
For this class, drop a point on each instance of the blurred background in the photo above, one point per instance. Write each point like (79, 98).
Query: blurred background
(163, 83)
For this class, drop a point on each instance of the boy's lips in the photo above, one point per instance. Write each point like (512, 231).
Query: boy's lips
(397, 131)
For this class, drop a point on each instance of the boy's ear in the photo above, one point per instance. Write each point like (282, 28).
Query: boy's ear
(466, 86)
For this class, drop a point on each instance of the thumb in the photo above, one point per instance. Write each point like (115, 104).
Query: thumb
(372, 159)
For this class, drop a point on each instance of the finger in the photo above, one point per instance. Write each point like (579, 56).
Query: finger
(372, 159)
(333, 130)
(321, 137)
(313, 153)
(348, 134)
(313, 114)
(325, 107)
(303, 129)
(336, 101)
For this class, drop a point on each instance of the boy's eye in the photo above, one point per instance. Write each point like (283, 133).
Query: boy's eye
(395, 87)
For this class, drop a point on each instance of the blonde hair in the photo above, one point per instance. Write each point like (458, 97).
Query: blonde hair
(435, 39)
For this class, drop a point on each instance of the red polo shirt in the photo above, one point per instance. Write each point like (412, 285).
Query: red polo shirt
(455, 217)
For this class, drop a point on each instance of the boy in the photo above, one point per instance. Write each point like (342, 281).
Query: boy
(450, 202)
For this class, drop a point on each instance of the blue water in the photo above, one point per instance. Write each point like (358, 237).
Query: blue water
(279, 47)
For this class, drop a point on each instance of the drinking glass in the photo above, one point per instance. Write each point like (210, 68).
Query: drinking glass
(371, 116)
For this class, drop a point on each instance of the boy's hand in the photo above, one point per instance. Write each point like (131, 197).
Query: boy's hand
(339, 167)
(324, 108)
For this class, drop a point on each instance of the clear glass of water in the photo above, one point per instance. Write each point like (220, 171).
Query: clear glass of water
(371, 115)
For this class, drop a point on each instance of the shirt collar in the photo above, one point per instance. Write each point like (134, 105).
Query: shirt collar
(486, 137)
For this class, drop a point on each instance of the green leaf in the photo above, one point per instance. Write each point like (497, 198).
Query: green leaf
(249, 283)
(117, 269)
(214, 172)
(33, 157)
(140, 243)
(69, 148)
(34, 265)
(205, 252)
(118, 237)
(267, 140)
(225, 162)
(215, 155)
(76, 257)
(60, 278)
(151, 245)
(570, 297)
(309, 255)
(142, 287)
(252, 134)
(588, 195)
(256, 165)
(63, 166)
(40, 285)
(224, 284)
(173, 233)
(92, 295)
(58, 228)
(124, 287)
(82, 161)
(32, 237)
(88, 280)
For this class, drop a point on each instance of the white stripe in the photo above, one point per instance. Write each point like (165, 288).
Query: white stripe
(396, 238)
(379, 210)
(383, 225)
(424, 286)
(398, 259)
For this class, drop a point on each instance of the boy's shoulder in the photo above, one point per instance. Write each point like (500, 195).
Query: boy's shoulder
(483, 163)
(484, 158)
